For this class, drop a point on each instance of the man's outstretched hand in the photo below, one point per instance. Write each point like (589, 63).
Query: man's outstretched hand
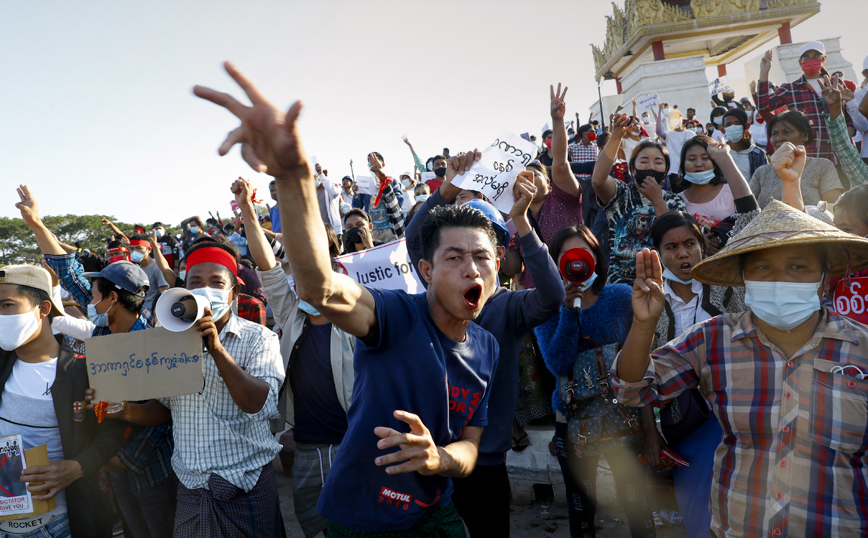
(418, 452)
(269, 138)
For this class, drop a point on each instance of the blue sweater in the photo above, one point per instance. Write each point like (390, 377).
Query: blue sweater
(606, 322)
(508, 316)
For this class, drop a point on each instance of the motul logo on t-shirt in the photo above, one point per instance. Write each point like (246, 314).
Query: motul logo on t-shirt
(389, 494)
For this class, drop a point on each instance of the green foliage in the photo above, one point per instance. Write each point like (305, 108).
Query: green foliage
(18, 244)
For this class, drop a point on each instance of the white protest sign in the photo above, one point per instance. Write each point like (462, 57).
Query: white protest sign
(386, 267)
(154, 363)
(14, 497)
(495, 173)
(367, 185)
(428, 176)
(719, 85)
(648, 102)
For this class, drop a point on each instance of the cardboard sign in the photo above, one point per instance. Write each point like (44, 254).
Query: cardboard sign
(719, 85)
(367, 185)
(648, 102)
(154, 363)
(386, 267)
(851, 298)
(495, 173)
(33, 457)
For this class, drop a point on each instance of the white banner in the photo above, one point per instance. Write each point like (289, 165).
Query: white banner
(648, 102)
(719, 85)
(495, 173)
(386, 267)
(367, 185)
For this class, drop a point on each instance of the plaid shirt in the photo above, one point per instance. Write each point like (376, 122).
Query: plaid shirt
(393, 209)
(251, 309)
(149, 454)
(792, 460)
(214, 436)
(579, 153)
(842, 144)
(800, 95)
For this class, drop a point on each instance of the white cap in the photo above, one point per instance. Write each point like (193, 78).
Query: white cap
(408, 174)
(865, 63)
(812, 45)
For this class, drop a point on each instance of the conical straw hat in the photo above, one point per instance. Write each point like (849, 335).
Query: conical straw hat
(780, 225)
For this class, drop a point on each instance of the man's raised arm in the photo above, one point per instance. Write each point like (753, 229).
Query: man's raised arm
(270, 143)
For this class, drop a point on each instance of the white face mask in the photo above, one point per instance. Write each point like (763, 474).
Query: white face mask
(783, 305)
(218, 298)
(17, 329)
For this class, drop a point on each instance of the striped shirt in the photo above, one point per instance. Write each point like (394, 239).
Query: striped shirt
(792, 460)
(212, 434)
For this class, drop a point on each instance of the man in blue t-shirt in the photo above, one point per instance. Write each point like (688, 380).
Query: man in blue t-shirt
(422, 369)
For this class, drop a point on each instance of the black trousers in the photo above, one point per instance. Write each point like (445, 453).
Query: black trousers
(482, 500)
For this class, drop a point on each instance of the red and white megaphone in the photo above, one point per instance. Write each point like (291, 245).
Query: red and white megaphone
(577, 265)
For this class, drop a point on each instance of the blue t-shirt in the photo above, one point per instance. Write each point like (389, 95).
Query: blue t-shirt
(319, 417)
(415, 368)
(274, 214)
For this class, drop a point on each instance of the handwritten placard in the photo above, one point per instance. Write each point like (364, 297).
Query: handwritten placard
(495, 173)
(648, 102)
(367, 185)
(154, 363)
(719, 85)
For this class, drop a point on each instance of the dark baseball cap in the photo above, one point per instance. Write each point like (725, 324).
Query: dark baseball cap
(124, 275)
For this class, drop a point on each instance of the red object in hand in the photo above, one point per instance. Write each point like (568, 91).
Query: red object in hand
(577, 265)
(100, 409)
(670, 458)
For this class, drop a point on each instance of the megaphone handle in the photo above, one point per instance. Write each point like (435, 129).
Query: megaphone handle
(577, 303)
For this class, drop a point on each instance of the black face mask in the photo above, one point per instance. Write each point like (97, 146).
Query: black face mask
(354, 235)
(641, 175)
(440, 172)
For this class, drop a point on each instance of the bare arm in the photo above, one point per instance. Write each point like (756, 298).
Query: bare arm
(271, 144)
(114, 228)
(648, 302)
(30, 213)
(601, 180)
(259, 248)
(658, 119)
(720, 154)
(421, 454)
(789, 163)
(562, 175)
(160, 260)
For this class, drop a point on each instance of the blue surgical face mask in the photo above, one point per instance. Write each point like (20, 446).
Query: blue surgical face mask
(700, 178)
(218, 298)
(669, 275)
(159, 232)
(734, 133)
(100, 320)
(587, 283)
(783, 305)
(308, 308)
(182, 275)
(430, 166)
(194, 229)
(136, 256)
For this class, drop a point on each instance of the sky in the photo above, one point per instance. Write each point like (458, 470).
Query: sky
(98, 115)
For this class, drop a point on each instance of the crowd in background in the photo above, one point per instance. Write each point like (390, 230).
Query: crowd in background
(660, 200)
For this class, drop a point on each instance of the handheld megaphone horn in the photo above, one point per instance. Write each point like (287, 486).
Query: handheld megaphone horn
(577, 265)
(177, 309)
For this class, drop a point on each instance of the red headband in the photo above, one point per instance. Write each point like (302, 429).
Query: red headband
(213, 255)
(140, 243)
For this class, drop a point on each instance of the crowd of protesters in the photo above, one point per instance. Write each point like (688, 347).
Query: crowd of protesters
(715, 328)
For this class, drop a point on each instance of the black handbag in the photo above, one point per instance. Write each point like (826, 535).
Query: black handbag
(681, 417)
